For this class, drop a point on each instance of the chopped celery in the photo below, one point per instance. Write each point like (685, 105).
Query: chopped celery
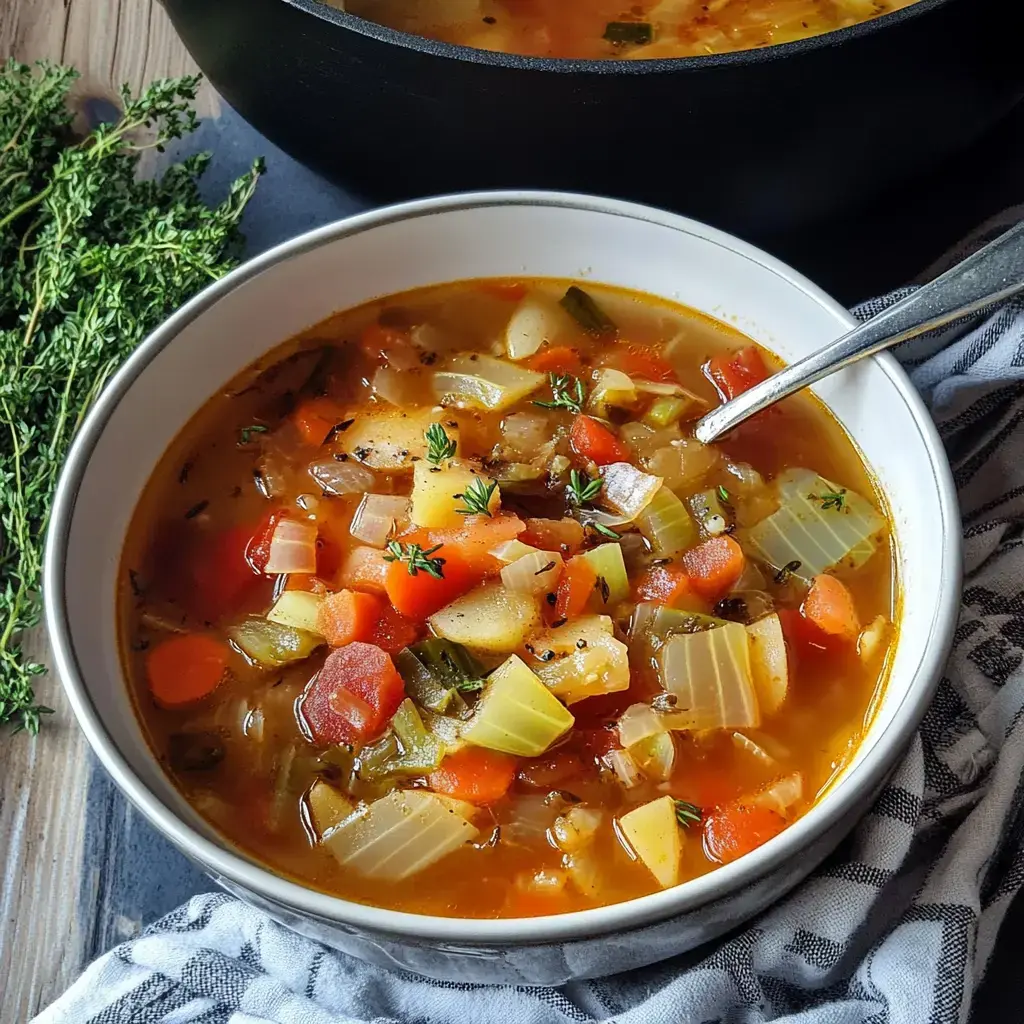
(710, 674)
(372, 763)
(399, 835)
(327, 807)
(665, 411)
(438, 493)
(667, 525)
(612, 388)
(271, 645)
(768, 662)
(435, 671)
(490, 618)
(818, 526)
(422, 751)
(652, 833)
(582, 659)
(298, 609)
(710, 512)
(606, 561)
(483, 382)
(655, 623)
(516, 713)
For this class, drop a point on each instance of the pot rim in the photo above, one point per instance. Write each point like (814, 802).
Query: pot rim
(619, 917)
(573, 65)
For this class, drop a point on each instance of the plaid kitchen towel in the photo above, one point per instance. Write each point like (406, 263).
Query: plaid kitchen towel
(896, 927)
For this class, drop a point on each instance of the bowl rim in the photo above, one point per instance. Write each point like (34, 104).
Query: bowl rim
(577, 65)
(620, 917)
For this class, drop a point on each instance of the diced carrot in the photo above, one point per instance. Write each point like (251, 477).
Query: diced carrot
(714, 566)
(418, 594)
(537, 903)
(315, 417)
(348, 615)
(665, 584)
(737, 828)
(185, 668)
(803, 637)
(353, 696)
(562, 535)
(643, 361)
(474, 774)
(593, 441)
(575, 586)
(475, 539)
(393, 631)
(511, 291)
(305, 581)
(364, 569)
(556, 359)
(733, 375)
(829, 606)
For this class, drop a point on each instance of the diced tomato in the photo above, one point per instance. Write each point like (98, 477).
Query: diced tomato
(393, 631)
(665, 584)
(733, 375)
(257, 550)
(474, 774)
(220, 578)
(562, 535)
(353, 696)
(738, 828)
(315, 417)
(829, 606)
(348, 615)
(417, 595)
(803, 636)
(575, 586)
(556, 359)
(594, 442)
(714, 566)
(644, 362)
(511, 291)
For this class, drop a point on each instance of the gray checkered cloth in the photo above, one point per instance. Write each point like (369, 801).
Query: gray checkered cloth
(897, 926)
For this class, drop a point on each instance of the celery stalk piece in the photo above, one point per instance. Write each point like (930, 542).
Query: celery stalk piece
(271, 645)
(666, 523)
(298, 609)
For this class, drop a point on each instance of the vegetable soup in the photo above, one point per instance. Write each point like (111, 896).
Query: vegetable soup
(612, 29)
(440, 607)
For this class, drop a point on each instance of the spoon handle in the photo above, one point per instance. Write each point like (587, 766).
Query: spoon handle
(993, 273)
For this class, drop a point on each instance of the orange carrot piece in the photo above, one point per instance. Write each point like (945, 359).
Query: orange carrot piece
(665, 584)
(714, 566)
(593, 441)
(829, 605)
(643, 361)
(575, 586)
(185, 668)
(347, 616)
(737, 828)
(315, 417)
(418, 595)
(474, 774)
(556, 359)
(529, 903)
(475, 539)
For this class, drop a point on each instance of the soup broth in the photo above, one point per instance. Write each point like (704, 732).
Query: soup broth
(440, 607)
(610, 29)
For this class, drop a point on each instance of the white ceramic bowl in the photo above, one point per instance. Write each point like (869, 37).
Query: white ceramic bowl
(514, 233)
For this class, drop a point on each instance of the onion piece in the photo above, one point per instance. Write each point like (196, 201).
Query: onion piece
(292, 547)
(525, 432)
(341, 477)
(667, 524)
(404, 388)
(535, 320)
(655, 756)
(612, 388)
(627, 490)
(482, 382)
(534, 573)
(576, 828)
(768, 662)
(626, 769)
(377, 517)
(748, 746)
(640, 722)
(781, 796)
(645, 440)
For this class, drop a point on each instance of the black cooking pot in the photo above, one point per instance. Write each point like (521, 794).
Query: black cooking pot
(753, 141)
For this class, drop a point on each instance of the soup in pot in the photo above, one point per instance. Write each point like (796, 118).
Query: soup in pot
(611, 29)
(440, 607)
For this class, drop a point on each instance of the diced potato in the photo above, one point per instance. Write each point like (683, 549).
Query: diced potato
(389, 440)
(768, 662)
(586, 659)
(437, 493)
(298, 609)
(489, 618)
(652, 834)
(516, 714)
(327, 807)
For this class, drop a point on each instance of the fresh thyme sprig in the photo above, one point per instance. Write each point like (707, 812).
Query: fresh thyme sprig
(245, 434)
(439, 445)
(92, 258)
(477, 497)
(416, 558)
(830, 499)
(567, 392)
(687, 814)
(605, 531)
(581, 489)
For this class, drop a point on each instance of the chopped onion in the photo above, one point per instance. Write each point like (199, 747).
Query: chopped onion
(546, 881)
(711, 675)
(747, 745)
(533, 573)
(640, 722)
(532, 816)
(645, 440)
(781, 795)
(341, 477)
(612, 388)
(576, 828)
(526, 432)
(482, 382)
(401, 387)
(398, 835)
(874, 637)
(667, 524)
(626, 769)
(535, 320)
(509, 551)
(655, 756)
(684, 463)
(627, 490)
(292, 547)
(378, 516)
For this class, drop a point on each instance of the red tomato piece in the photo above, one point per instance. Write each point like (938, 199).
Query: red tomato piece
(737, 828)
(557, 359)
(393, 631)
(353, 696)
(643, 361)
(732, 375)
(594, 442)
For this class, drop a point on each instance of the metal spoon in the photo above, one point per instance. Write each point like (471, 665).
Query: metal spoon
(990, 275)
